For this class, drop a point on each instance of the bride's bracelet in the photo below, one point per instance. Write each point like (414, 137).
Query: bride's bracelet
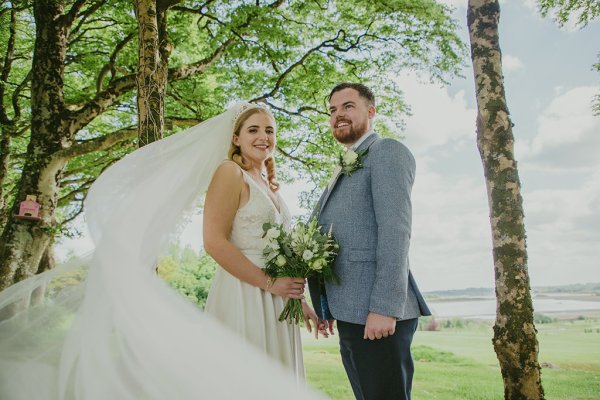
(270, 282)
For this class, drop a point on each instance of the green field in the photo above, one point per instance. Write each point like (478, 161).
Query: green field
(460, 363)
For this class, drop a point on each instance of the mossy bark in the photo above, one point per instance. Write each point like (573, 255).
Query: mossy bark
(23, 242)
(152, 74)
(515, 340)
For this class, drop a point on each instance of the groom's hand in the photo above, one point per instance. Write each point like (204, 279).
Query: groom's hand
(330, 323)
(379, 326)
(326, 327)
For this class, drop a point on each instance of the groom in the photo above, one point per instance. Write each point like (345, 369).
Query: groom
(377, 303)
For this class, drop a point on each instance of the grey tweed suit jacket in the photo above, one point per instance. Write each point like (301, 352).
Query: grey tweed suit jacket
(370, 214)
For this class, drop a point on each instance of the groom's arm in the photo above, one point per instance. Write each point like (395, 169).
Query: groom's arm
(392, 177)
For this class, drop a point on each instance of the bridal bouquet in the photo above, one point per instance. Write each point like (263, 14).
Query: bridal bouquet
(302, 252)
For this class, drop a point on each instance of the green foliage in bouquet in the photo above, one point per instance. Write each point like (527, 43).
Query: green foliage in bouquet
(302, 252)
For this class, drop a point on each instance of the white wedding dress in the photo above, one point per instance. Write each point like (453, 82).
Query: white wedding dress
(250, 311)
(107, 327)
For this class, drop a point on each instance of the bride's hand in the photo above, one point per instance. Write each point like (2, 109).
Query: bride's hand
(291, 288)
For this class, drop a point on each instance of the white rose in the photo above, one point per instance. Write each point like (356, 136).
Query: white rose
(273, 233)
(318, 264)
(280, 261)
(307, 255)
(350, 157)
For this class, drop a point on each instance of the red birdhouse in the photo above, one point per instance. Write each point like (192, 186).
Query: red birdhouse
(29, 209)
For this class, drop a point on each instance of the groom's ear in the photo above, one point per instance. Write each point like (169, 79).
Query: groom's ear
(371, 111)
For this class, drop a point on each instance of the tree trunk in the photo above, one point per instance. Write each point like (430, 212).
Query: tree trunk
(152, 71)
(46, 263)
(515, 340)
(24, 242)
(4, 159)
(7, 128)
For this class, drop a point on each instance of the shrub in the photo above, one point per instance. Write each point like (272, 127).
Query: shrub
(542, 319)
(188, 273)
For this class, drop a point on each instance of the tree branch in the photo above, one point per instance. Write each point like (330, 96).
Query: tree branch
(104, 160)
(67, 19)
(197, 10)
(7, 66)
(163, 5)
(96, 144)
(76, 213)
(110, 66)
(306, 163)
(324, 44)
(71, 196)
(200, 66)
(17, 93)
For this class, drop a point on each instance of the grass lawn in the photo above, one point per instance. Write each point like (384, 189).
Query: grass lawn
(460, 363)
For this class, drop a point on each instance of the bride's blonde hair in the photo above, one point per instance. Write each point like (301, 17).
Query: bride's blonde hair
(235, 153)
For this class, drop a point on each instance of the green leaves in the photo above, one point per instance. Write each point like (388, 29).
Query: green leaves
(286, 54)
(583, 11)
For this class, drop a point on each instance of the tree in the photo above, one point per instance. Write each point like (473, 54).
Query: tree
(584, 11)
(14, 113)
(563, 10)
(515, 340)
(86, 56)
(153, 62)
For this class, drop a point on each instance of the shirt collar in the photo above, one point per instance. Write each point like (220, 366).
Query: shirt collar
(362, 139)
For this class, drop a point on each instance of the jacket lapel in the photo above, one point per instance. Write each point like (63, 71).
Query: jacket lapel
(329, 189)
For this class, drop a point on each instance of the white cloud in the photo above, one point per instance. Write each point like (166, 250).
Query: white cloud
(438, 118)
(451, 241)
(463, 3)
(562, 231)
(567, 133)
(454, 3)
(562, 190)
(451, 244)
(531, 4)
(511, 63)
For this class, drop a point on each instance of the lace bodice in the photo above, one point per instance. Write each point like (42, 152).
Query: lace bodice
(247, 228)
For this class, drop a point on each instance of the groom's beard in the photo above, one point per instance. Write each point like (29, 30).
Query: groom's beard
(350, 135)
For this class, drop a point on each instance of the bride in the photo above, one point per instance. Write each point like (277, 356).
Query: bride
(106, 327)
(240, 199)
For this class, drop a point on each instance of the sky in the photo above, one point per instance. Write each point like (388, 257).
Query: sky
(549, 85)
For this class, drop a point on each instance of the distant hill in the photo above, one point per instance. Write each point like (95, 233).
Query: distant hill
(574, 288)
(489, 292)
(469, 292)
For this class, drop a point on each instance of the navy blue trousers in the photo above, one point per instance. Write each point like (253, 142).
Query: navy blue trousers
(380, 369)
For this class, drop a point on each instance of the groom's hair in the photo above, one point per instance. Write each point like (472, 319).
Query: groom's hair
(363, 91)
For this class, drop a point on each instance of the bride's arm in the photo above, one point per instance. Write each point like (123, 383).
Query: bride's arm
(221, 204)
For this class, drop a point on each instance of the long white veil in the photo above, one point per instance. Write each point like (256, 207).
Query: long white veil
(106, 326)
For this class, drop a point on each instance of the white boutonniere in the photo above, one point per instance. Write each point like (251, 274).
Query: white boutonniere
(351, 161)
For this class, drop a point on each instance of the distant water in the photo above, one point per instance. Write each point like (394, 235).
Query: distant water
(485, 308)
